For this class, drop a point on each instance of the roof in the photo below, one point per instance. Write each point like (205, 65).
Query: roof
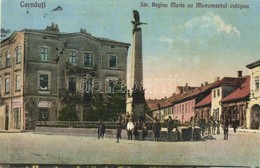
(254, 64)
(55, 32)
(153, 104)
(205, 101)
(193, 93)
(241, 92)
(230, 81)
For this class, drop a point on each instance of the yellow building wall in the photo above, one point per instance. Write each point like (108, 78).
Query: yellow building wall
(255, 94)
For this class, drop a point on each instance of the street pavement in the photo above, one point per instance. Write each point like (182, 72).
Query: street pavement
(241, 149)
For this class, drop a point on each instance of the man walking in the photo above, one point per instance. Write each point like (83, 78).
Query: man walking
(225, 127)
(118, 131)
(130, 127)
(157, 130)
(101, 129)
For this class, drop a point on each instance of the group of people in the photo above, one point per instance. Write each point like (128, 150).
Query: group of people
(131, 128)
(210, 127)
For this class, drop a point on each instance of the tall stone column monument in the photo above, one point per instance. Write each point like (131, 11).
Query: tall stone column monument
(135, 98)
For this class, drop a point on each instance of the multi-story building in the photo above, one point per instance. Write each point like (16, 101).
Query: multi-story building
(222, 89)
(234, 105)
(184, 108)
(42, 71)
(253, 110)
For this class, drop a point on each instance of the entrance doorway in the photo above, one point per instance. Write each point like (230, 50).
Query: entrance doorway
(255, 116)
(6, 117)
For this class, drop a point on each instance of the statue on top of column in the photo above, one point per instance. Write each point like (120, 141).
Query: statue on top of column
(137, 22)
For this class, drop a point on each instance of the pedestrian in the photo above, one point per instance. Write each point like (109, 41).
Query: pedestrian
(101, 129)
(144, 131)
(234, 124)
(129, 129)
(157, 130)
(225, 128)
(214, 126)
(202, 124)
(209, 124)
(136, 133)
(218, 127)
(118, 131)
(169, 128)
(192, 127)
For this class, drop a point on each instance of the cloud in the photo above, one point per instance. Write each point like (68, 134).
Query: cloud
(166, 39)
(208, 26)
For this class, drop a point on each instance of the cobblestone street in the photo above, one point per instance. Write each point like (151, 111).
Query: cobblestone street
(242, 149)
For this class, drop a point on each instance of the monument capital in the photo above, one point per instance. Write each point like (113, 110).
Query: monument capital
(136, 22)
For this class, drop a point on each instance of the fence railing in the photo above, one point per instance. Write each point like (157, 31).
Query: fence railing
(73, 124)
(80, 124)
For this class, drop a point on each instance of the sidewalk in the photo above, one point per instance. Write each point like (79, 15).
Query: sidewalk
(246, 130)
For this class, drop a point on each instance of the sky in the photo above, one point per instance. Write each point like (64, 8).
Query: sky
(180, 45)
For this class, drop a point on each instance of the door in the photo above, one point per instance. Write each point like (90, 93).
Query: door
(7, 117)
(255, 116)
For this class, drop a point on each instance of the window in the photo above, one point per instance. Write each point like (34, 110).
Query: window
(72, 57)
(110, 86)
(214, 93)
(88, 60)
(44, 54)
(43, 82)
(17, 83)
(8, 60)
(43, 114)
(113, 61)
(72, 84)
(257, 83)
(17, 118)
(218, 92)
(7, 85)
(18, 55)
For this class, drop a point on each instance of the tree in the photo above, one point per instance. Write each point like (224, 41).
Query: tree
(68, 113)
(107, 106)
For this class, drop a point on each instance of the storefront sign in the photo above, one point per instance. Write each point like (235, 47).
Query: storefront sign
(17, 103)
(44, 104)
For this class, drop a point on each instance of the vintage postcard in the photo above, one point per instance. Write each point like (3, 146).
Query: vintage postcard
(130, 83)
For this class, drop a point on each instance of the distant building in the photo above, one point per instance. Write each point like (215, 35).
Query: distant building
(42, 71)
(253, 109)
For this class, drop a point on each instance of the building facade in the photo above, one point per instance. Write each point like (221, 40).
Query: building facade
(253, 109)
(44, 70)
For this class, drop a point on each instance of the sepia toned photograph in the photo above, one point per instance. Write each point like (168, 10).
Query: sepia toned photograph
(129, 83)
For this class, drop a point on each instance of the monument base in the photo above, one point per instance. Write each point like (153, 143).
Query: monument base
(136, 110)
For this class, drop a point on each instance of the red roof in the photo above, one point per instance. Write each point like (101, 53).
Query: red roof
(153, 104)
(240, 93)
(205, 101)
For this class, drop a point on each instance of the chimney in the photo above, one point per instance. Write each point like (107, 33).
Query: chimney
(186, 84)
(216, 79)
(201, 85)
(206, 83)
(239, 73)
